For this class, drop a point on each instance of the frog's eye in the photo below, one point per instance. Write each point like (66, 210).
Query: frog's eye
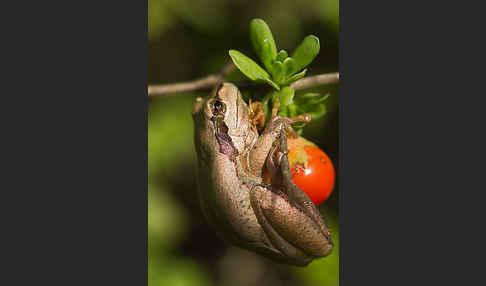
(218, 107)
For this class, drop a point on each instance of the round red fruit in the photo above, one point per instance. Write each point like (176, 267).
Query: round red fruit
(312, 169)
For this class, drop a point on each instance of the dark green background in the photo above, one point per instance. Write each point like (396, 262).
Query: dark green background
(190, 39)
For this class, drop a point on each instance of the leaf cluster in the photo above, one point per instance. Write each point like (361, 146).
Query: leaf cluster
(280, 70)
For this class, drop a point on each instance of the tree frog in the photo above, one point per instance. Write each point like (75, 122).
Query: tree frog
(244, 181)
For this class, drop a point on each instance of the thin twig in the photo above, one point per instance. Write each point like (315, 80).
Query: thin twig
(210, 81)
(322, 79)
(203, 83)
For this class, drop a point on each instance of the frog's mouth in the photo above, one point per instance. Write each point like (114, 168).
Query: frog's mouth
(225, 142)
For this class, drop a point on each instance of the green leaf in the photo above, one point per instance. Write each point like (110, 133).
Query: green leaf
(320, 99)
(251, 69)
(289, 65)
(302, 99)
(292, 110)
(263, 42)
(247, 66)
(282, 55)
(295, 77)
(267, 58)
(317, 110)
(278, 72)
(310, 98)
(305, 53)
(286, 96)
(311, 103)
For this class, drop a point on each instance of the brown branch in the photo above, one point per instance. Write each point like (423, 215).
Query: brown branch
(322, 79)
(203, 83)
(208, 82)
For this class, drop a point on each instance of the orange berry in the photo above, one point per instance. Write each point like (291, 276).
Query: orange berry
(312, 169)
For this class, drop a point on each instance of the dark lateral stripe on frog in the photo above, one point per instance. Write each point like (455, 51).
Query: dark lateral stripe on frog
(226, 145)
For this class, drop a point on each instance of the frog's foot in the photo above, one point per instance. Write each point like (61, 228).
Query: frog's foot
(288, 121)
(277, 123)
(290, 230)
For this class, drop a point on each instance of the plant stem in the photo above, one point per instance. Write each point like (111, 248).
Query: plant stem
(203, 83)
(210, 81)
(322, 79)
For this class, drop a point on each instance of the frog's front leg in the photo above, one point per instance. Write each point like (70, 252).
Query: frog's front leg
(260, 150)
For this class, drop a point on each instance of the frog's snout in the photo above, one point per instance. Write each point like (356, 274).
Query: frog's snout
(197, 105)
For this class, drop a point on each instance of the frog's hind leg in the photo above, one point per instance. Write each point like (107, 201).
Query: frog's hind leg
(281, 250)
(290, 230)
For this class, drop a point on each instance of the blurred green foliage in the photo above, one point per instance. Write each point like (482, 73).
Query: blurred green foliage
(191, 38)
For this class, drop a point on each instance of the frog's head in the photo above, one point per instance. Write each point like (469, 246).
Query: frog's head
(222, 117)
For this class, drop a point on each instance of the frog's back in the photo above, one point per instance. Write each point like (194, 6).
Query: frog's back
(225, 200)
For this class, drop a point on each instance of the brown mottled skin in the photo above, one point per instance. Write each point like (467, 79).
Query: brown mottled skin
(275, 219)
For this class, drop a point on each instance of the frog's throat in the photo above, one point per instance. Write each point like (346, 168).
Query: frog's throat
(225, 142)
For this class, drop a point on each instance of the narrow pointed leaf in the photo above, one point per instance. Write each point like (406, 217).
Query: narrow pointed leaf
(295, 77)
(250, 68)
(310, 98)
(303, 99)
(305, 53)
(320, 99)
